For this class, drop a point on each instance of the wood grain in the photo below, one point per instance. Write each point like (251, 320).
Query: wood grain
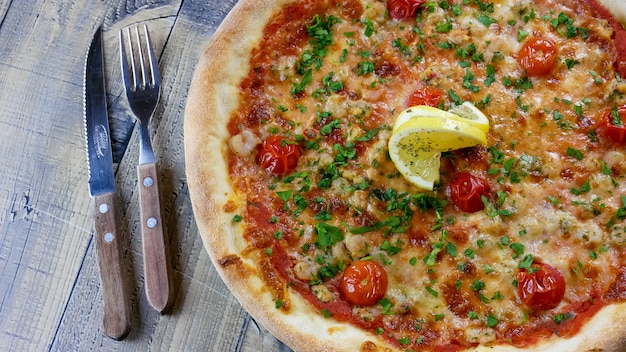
(156, 256)
(46, 216)
(116, 316)
(50, 293)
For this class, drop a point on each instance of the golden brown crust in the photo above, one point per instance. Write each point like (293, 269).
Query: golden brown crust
(212, 97)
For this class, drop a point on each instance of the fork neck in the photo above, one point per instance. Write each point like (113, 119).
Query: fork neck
(146, 155)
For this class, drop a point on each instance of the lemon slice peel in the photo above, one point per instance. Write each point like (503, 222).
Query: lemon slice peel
(436, 133)
(466, 112)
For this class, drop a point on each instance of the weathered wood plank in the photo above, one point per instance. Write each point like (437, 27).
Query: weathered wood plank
(44, 222)
(45, 226)
(4, 7)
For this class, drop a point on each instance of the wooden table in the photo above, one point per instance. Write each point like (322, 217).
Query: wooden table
(49, 286)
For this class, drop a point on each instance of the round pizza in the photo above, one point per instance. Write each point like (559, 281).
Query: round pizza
(417, 175)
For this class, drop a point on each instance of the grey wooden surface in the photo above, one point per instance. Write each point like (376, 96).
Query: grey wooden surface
(49, 286)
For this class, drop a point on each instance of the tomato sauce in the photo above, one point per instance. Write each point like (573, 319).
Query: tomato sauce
(267, 215)
(619, 38)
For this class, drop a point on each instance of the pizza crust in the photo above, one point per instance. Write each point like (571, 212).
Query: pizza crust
(213, 96)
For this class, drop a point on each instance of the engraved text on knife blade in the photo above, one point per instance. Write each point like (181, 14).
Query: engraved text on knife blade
(101, 139)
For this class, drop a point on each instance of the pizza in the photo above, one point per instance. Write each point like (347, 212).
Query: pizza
(337, 238)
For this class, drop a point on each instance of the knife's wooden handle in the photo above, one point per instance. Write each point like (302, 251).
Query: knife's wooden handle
(116, 321)
(155, 254)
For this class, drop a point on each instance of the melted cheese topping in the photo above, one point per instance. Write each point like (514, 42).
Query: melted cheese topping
(556, 181)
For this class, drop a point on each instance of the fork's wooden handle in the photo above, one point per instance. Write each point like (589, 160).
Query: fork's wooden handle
(116, 320)
(155, 254)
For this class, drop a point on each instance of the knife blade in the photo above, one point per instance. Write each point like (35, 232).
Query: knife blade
(116, 317)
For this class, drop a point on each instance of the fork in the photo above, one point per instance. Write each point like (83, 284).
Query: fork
(142, 84)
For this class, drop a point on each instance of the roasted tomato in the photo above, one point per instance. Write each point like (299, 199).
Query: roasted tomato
(403, 9)
(425, 96)
(613, 124)
(466, 191)
(542, 287)
(278, 155)
(537, 56)
(364, 283)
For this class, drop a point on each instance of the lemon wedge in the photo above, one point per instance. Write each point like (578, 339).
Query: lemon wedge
(471, 114)
(420, 134)
(465, 112)
(420, 169)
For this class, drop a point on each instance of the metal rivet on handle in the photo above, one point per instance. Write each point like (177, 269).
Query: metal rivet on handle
(103, 208)
(108, 237)
(152, 222)
(148, 182)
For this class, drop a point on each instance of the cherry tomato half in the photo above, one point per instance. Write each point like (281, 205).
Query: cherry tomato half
(425, 96)
(364, 283)
(466, 191)
(614, 124)
(537, 56)
(278, 155)
(543, 287)
(403, 9)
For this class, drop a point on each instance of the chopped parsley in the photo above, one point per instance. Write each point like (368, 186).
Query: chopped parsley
(444, 27)
(329, 127)
(432, 291)
(390, 249)
(320, 31)
(575, 153)
(491, 321)
(298, 87)
(327, 235)
(431, 258)
(586, 187)
(403, 48)
(368, 136)
(570, 63)
(330, 84)
(454, 97)
(486, 20)
(521, 35)
(369, 27)
(468, 80)
(616, 118)
(566, 28)
(386, 304)
(527, 263)
(477, 285)
(490, 72)
(561, 317)
(364, 67)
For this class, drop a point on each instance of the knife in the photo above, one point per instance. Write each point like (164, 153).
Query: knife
(116, 319)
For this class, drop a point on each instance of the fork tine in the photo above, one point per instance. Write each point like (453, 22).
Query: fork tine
(144, 80)
(131, 78)
(154, 65)
(136, 85)
(123, 60)
(144, 67)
